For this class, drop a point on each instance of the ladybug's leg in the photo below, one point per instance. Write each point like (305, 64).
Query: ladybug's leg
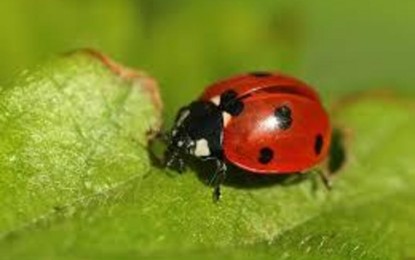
(218, 178)
(336, 159)
(173, 158)
(180, 164)
(169, 159)
(326, 179)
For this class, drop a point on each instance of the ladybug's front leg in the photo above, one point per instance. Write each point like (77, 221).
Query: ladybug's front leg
(218, 178)
(174, 160)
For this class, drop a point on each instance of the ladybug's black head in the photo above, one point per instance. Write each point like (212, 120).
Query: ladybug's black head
(197, 131)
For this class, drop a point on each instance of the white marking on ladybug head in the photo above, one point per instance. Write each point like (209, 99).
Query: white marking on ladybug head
(226, 118)
(215, 100)
(183, 115)
(192, 143)
(174, 132)
(202, 148)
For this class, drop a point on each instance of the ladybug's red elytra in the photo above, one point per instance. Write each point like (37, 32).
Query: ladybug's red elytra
(265, 123)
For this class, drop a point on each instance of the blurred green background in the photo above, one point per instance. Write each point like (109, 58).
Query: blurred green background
(338, 46)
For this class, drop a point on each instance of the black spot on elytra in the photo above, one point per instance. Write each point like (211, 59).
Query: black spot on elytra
(260, 74)
(283, 115)
(230, 103)
(228, 95)
(265, 155)
(318, 145)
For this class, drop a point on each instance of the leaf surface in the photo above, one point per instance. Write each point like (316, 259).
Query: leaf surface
(367, 215)
(70, 129)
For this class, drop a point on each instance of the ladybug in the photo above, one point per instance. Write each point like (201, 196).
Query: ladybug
(264, 123)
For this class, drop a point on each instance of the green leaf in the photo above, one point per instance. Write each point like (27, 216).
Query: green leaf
(70, 129)
(367, 215)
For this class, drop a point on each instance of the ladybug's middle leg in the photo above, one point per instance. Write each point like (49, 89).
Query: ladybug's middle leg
(218, 178)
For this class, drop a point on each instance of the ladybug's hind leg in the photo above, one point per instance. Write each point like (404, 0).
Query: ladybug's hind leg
(326, 179)
(336, 159)
(321, 176)
(218, 178)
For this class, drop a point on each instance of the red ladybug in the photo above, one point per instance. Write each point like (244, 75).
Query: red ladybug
(265, 123)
